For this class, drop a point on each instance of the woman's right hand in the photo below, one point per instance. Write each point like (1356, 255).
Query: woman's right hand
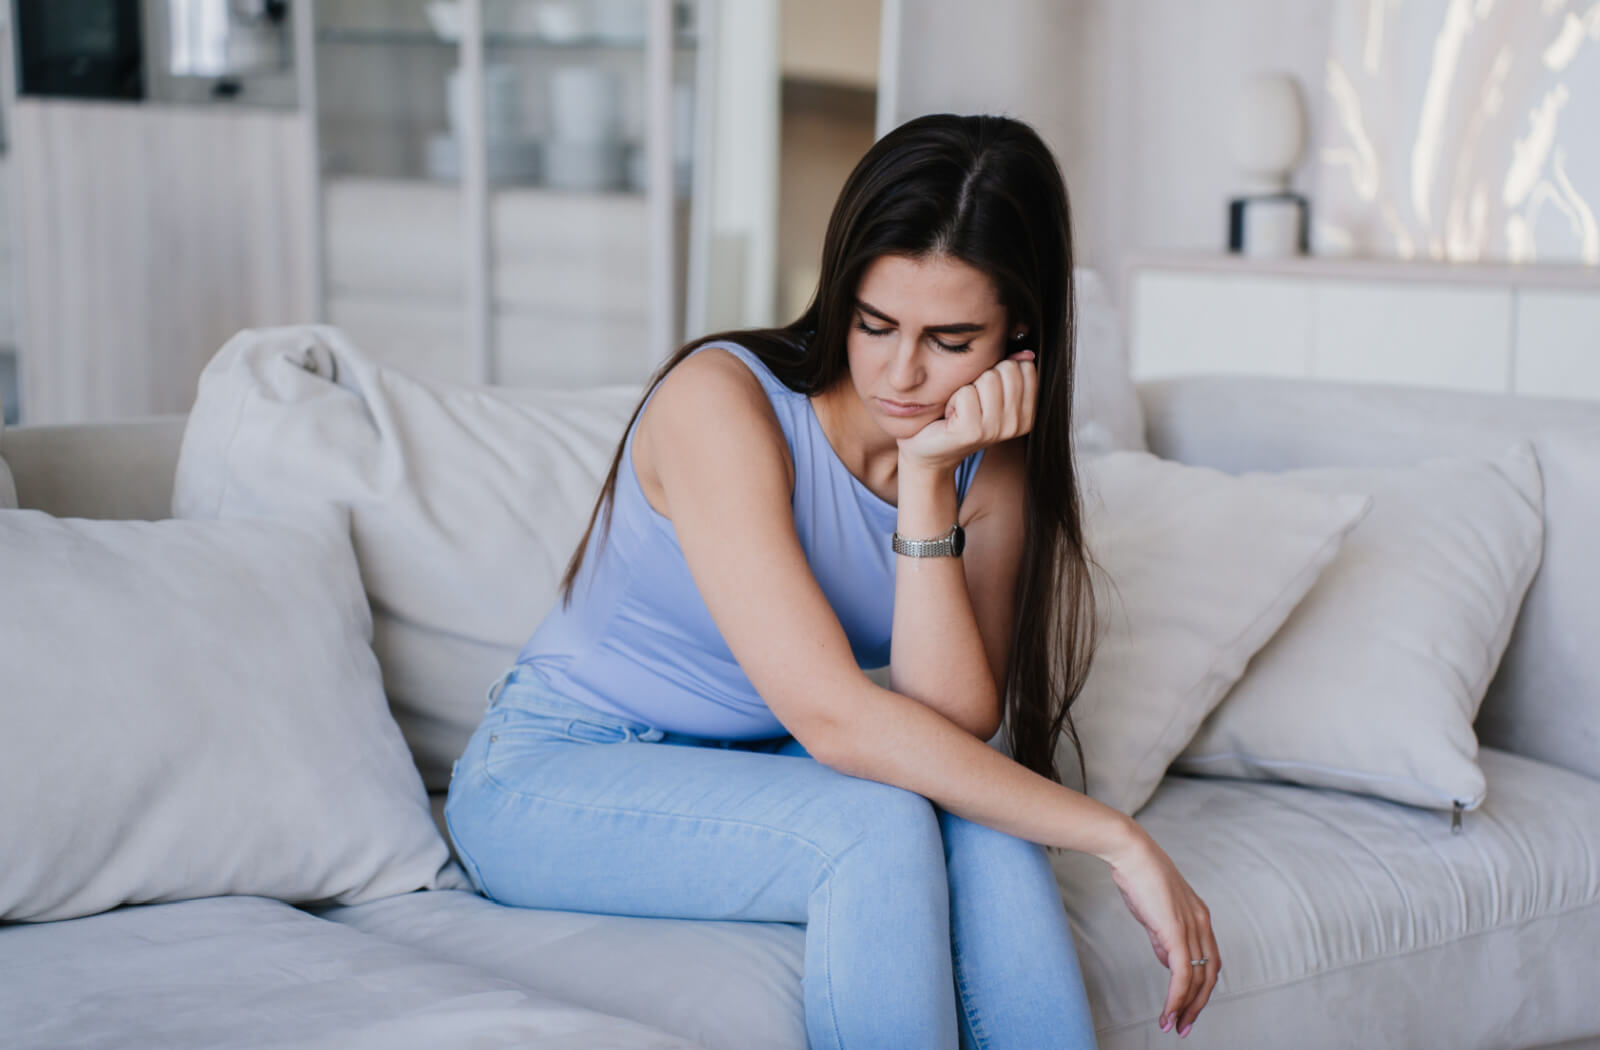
(1178, 923)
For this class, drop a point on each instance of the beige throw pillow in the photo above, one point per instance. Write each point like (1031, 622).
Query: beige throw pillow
(1373, 684)
(192, 709)
(1197, 569)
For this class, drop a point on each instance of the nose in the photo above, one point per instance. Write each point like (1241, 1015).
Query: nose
(905, 368)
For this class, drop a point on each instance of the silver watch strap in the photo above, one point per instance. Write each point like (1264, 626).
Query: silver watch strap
(946, 546)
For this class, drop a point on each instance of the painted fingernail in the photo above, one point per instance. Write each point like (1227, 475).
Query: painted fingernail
(1166, 1022)
(1183, 1033)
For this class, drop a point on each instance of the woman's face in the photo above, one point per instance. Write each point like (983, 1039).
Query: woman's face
(921, 329)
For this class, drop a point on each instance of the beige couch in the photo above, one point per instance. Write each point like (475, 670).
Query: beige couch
(1344, 921)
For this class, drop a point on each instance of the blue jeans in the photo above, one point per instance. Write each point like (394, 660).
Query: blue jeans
(922, 929)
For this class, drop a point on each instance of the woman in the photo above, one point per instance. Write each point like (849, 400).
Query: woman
(886, 481)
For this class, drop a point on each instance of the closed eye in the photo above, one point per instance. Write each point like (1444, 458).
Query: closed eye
(954, 348)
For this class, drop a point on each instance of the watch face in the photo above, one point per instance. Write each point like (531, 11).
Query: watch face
(958, 540)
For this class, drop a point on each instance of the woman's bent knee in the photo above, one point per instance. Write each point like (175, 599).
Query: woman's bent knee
(892, 826)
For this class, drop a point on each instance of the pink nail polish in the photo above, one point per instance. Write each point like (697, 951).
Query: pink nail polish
(1183, 1033)
(1166, 1022)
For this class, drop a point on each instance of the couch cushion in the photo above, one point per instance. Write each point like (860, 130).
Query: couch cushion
(1373, 683)
(1542, 701)
(236, 972)
(466, 502)
(1348, 921)
(1193, 572)
(1555, 655)
(192, 708)
(725, 985)
(1106, 414)
(1342, 921)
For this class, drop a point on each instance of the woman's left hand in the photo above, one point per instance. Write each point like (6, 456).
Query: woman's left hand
(995, 407)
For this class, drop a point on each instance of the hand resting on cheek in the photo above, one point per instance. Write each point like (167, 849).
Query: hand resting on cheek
(995, 407)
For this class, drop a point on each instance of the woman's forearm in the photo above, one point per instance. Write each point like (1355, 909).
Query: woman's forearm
(895, 740)
(937, 655)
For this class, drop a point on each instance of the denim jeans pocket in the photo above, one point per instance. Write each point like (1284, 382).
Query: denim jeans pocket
(526, 729)
(534, 727)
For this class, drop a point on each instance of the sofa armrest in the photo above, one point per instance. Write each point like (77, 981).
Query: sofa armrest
(96, 470)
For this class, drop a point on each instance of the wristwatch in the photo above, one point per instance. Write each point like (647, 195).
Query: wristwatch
(949, 545)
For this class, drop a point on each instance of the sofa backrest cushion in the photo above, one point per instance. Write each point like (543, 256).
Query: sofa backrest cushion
(1545, 699)
(1105, 403)
(193, 709)
(466, 502)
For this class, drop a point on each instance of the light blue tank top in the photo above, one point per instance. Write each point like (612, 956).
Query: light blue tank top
(637, 640)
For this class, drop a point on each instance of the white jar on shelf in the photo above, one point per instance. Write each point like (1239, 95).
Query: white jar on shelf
(585, 150)
(585, 104)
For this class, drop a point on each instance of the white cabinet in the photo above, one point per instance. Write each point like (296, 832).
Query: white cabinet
(1558, 344)
(506, 191)
(1259, 327)
(1412, 334)
(1529, 330)
(421, 336)
(149, 235)
(399, 238)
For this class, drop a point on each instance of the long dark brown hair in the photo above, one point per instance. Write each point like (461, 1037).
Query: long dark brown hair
(984, 190)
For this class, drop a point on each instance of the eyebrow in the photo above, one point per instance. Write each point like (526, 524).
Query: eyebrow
(963, 328)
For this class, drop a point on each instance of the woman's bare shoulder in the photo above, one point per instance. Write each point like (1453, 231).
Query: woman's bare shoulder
(710, 400)
(713, 372)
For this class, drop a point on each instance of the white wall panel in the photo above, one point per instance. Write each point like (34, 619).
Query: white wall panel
(1154, 83)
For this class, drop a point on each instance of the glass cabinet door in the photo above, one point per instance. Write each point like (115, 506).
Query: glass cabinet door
(491, 209)
(585, 254)
(394, 231)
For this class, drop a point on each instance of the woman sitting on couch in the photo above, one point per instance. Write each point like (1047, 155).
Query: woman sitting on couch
(886, 481)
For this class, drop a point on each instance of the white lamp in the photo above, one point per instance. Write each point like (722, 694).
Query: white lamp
(1268, 220)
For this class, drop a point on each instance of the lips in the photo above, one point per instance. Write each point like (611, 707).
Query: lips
(901, 408)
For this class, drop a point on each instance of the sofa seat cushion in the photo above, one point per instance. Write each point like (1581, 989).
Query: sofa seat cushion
(234, 972)
(1342, 921)
(1349, 921)
(724, 985)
